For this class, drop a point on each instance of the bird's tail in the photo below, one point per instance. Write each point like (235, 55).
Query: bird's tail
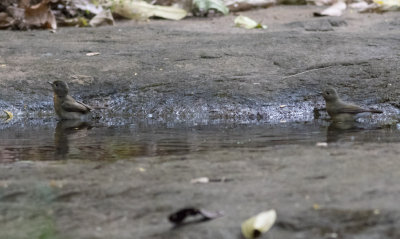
(375, 111)
(99, 108)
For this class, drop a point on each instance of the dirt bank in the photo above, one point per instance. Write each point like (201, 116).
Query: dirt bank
(346, 191)
(205, 69)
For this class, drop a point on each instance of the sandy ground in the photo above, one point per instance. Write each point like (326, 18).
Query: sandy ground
(203, 70)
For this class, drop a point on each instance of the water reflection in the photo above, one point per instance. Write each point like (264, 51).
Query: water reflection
(339, 132)
(336, 130)
(66, 131)
(79, 140)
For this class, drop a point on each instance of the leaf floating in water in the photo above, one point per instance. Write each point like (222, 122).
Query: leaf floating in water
(179, 216)
(259, 224)
(248, 23)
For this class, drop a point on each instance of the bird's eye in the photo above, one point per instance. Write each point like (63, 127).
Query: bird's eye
(327, 93)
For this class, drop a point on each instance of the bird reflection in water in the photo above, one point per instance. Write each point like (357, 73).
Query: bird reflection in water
(352, 131)
(341, 130)
(67, 130)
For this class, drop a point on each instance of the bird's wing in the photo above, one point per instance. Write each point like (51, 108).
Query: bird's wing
(87, 106)
(351, 109)
(72, 105)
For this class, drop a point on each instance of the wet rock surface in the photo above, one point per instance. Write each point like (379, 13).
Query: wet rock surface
(160, 80)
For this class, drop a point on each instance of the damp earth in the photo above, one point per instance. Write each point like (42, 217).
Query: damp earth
(201, 98)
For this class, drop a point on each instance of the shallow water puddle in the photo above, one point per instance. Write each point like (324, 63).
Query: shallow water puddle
(82, 141)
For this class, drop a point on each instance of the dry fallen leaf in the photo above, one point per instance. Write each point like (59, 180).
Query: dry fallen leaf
(244, 5)
(87, 5)
(316, 206)
(388, 5)
(335, 10)
(102, 18)
(377, 6)
(40, 16)
(56, 184)
(26, 16)
(5, 20)
(141, 10)
(93, 53)
(321, 144)
(200, 180)
(203, 6)
(320, 2)
(359, 6)
(73, 22)
(9, 115)
(248, 23)
(259, 224)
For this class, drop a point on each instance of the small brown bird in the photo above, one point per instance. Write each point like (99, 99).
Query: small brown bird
(65, 106)
(339, 110)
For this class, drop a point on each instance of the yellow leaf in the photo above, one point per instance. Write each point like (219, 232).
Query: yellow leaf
(248, 23)
(316, 206)
(142, 169)
(56, 184)
(9, 115)
(259, 224)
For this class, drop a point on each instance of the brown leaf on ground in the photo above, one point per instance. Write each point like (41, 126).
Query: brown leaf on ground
(5, 20)
(26, 16)
(40, 16)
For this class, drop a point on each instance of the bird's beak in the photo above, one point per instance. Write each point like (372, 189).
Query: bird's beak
(51, 83)
(320, 93)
